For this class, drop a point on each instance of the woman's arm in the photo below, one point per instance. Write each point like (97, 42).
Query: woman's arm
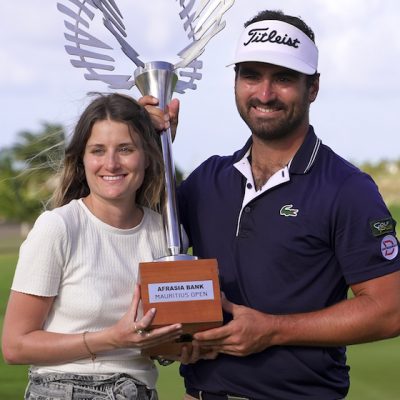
(25, 342)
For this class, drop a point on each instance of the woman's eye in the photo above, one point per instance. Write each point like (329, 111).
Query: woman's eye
(97, 151)
(126, 150)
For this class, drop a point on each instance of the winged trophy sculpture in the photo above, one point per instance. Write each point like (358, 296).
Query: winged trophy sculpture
(92, 54)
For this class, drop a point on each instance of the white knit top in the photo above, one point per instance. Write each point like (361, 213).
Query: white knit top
(91, 269)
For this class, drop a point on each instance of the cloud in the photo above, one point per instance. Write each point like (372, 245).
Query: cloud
(359, 58)
(357, 43)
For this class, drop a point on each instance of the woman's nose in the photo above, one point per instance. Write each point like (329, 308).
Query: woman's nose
(112, 161)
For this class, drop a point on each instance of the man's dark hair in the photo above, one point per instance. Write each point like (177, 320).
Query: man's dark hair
(280, 16)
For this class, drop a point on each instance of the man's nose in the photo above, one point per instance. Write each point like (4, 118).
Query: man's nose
(266, 91)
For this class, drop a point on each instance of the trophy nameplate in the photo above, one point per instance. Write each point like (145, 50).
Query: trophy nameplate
(184, 291)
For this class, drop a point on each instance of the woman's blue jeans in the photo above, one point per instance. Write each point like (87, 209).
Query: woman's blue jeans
(86, 387)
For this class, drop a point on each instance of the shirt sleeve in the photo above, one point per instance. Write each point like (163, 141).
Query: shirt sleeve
(361, 248)
(42, 257)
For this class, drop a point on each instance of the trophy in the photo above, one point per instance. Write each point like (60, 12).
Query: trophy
(181, 287)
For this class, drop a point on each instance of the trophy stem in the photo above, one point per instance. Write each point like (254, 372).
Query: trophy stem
(158, 79)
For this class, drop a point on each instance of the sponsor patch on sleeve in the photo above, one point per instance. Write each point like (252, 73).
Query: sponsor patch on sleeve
(382, 227)
(389, 247)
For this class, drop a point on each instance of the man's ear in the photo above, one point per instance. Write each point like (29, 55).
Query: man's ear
(314, 89)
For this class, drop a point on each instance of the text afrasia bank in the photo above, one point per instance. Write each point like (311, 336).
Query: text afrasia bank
(167, 288)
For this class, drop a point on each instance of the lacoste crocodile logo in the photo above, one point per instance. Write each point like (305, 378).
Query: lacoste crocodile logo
(288, 211)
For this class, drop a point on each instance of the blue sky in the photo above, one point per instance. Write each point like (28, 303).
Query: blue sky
(355, 112)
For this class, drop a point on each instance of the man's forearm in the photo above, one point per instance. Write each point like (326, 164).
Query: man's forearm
(364, 318)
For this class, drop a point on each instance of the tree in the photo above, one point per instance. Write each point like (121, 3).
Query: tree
(41, 152)
(27, 173)
(14, 204)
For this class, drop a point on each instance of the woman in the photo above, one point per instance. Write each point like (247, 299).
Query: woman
(71, 313)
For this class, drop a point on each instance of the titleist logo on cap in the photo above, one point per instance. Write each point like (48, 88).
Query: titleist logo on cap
(264, 35)
(278, 43)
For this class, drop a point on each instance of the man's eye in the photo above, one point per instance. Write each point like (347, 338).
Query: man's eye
(250, 76)
(288, 77)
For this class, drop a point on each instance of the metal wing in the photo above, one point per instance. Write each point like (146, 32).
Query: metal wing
(84, 45)
(202, 25)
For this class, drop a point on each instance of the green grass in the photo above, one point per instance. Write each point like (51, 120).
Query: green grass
(374, 372)
(12, 378)
(170, 383)
(374, 366)
(9, 243)
(395, 210)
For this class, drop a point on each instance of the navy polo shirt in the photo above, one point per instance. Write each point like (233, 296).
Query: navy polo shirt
(316, 227)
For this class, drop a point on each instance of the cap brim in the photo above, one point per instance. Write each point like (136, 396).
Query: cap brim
(283, 60)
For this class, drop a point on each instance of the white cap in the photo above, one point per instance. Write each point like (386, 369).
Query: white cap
(279, 43)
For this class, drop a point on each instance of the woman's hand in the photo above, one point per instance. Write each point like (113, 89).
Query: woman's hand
(132, 332)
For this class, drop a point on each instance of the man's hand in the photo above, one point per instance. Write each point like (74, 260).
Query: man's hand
(249, 332)
(162, 119)
(191, 353)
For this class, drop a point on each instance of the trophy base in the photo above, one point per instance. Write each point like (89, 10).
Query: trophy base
(186, 292)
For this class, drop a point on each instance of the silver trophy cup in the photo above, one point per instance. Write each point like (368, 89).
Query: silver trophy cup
(158, 79)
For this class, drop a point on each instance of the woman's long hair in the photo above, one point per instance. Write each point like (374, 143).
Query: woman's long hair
(118, 108)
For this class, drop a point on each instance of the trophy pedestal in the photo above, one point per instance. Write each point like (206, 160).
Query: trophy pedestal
(185, 292)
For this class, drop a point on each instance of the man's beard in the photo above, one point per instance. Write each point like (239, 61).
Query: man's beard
(271, 129)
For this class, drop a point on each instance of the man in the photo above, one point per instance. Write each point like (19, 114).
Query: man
(292, 226)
